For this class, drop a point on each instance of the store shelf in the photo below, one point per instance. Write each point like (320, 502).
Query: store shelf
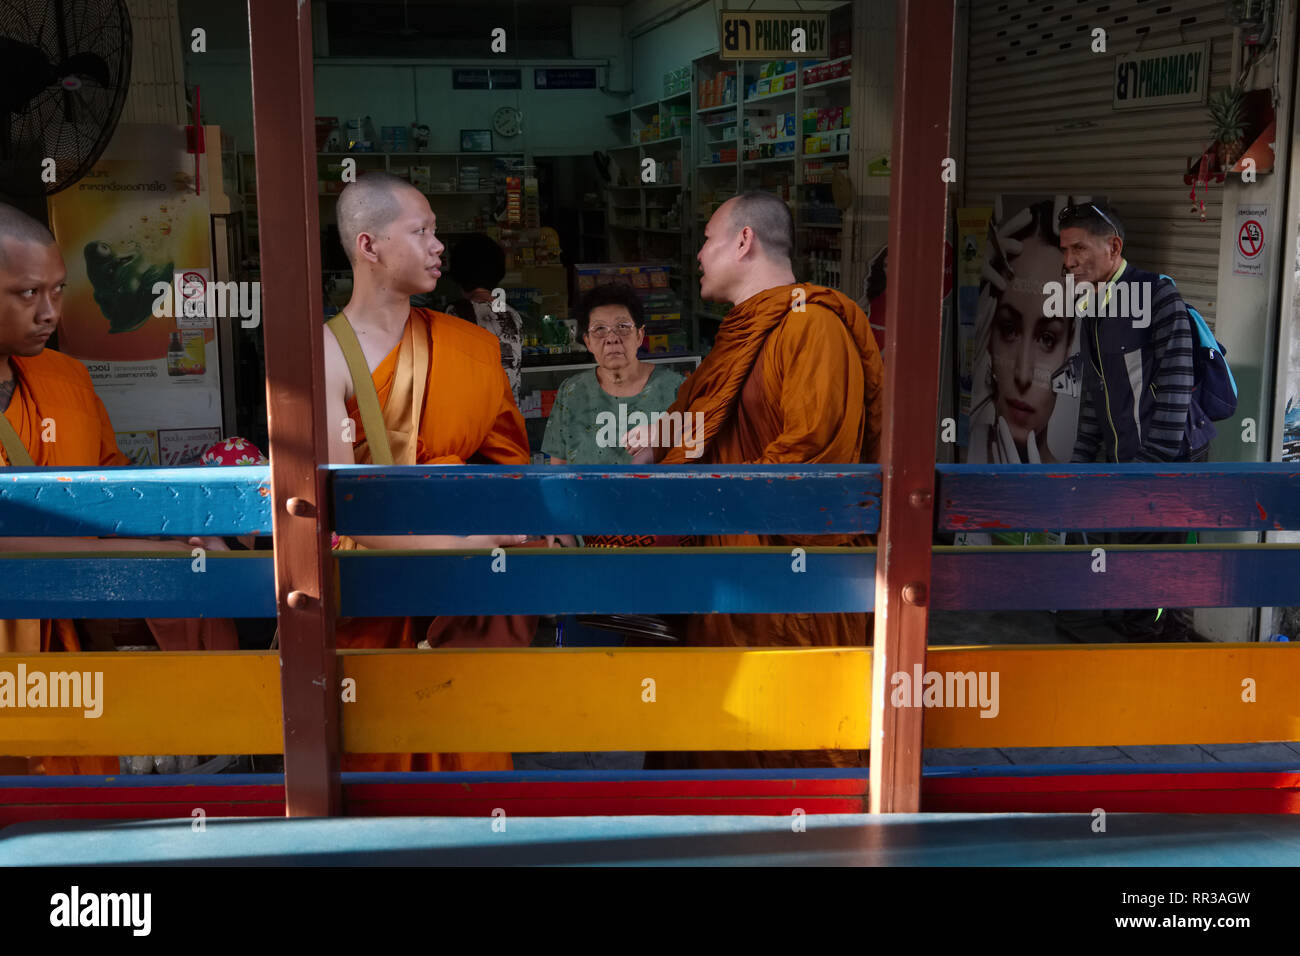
(653, 360)
(377, 152)
(714, 165)
(759, 100)
(772, 159)
(825, 83)
(662, 140)
(714, 109)
(832, 154)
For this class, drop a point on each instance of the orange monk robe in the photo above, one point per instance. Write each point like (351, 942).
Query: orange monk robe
(784, 387)
(447, 373)
(52, 389)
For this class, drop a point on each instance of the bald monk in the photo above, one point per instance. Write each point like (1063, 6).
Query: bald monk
(38, 384)
(780, 386)
(445, 400)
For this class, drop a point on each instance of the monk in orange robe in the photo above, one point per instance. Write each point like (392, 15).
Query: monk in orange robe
(40, 387)
(445, 399)
(794, 378)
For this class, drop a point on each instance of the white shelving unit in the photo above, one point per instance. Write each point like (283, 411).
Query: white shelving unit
(451, 205)
(715, 181)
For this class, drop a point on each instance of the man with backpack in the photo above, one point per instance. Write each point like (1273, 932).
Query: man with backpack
(1137, 342)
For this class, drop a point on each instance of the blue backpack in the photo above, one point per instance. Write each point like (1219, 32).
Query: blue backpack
(1215, 391)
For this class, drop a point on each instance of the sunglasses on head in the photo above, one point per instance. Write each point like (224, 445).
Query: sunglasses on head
(1084, 211)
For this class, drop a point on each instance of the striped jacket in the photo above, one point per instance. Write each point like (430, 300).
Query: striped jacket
(1137, 381)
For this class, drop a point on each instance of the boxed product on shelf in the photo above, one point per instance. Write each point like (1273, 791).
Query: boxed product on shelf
(812, 144)
(764, 87)
(841, 140)
(810, 120)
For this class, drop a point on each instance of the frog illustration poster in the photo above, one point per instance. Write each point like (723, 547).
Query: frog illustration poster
(133, 221)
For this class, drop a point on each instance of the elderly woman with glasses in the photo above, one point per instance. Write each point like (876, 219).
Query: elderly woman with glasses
(584, 427)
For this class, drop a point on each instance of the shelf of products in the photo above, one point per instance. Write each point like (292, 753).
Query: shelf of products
(775, 125)
(469, 191)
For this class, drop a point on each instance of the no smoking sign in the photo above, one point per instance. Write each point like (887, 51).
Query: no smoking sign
(1248, 256)
(1250, 240)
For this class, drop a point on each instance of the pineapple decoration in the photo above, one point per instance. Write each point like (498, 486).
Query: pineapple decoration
(1227, 115)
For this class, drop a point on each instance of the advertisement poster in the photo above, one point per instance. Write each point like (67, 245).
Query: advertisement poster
(1023, 365)
(135, 221)
(1291, 413)
(972, 247)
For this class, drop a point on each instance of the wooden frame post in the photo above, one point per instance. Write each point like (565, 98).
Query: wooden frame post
(917, 232)
(284, 137)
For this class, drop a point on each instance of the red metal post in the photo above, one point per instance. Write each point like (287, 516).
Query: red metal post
(284, 138)
(917, 226)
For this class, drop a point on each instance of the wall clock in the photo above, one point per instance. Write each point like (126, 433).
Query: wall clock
(508, 121)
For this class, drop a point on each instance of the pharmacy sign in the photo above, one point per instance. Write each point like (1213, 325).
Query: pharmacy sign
(1172, 76)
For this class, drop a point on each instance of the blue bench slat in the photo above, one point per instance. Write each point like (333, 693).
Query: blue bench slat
(613, 499)
(595, 581)
(1038, 579)
(134, 502)
(1128, 497)
(233, 585)
(652, 580)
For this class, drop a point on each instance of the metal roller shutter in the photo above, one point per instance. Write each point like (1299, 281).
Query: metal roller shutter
(1039, 119)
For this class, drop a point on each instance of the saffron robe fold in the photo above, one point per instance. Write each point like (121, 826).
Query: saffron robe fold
(446, 401)
(53, 395)
(783, 387)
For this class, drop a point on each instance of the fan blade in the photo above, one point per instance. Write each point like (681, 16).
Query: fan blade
(87, 65)
(25, 71)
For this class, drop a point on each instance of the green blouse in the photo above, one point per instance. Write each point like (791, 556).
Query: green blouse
(586, 421)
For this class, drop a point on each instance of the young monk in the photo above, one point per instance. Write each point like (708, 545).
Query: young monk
(782, 385)
(445, 400)
(39, 385)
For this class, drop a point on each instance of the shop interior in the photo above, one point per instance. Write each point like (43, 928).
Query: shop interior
(593, 148)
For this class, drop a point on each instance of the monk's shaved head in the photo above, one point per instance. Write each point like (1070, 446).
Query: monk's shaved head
(369, 205)
(769, 217)
(17, 226)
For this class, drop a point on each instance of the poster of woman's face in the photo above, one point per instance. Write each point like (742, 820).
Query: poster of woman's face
(1024, 389)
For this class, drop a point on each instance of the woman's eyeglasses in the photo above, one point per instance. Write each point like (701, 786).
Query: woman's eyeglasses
(1084, 211)
(601, 332)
